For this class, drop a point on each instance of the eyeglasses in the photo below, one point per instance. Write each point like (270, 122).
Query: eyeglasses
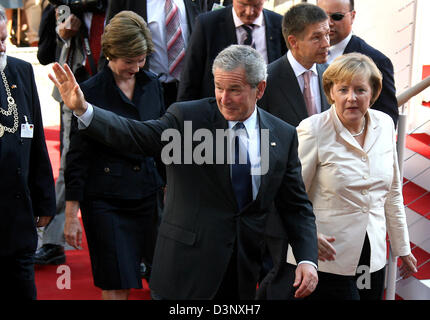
(337, 16)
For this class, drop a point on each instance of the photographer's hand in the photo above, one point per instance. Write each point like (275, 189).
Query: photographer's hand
(69, 28)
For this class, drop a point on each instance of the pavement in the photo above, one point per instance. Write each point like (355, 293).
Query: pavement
(50, 107)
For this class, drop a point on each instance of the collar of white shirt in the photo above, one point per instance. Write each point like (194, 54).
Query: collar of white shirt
(250, 124)
(298, 68)
(338, 49)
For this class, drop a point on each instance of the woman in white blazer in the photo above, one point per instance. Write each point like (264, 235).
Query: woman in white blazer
(350, 169)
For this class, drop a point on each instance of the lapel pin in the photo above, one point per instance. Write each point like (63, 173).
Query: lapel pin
(273, 144)
(13, 86)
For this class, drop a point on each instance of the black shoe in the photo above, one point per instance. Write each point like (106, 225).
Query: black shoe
(50, 254)
(145, 271)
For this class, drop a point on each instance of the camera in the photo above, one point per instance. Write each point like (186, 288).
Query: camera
(81, 6)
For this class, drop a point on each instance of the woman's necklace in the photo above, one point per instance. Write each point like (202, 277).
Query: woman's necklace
(361, 131)
(12, 109)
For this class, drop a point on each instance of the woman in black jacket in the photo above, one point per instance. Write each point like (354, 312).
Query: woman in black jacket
(117, 192)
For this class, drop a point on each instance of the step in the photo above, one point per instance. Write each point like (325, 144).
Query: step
(418, 229)
(411, 191)
(416, 198)
(423, 262)
(413, 289)
(419, 142)
(416, 167)
(416, 287)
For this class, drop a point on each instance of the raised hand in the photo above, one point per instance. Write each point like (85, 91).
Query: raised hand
(69, 89)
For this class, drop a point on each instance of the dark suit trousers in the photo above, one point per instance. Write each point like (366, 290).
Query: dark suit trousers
(17, 277)
(229, 288)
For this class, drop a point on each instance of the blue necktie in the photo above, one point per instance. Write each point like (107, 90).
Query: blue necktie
(241, 172)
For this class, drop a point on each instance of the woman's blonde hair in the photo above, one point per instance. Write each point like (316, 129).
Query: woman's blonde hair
(348, 66)
(126, 36)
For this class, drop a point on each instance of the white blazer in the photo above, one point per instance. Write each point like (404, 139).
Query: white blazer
(353, 189)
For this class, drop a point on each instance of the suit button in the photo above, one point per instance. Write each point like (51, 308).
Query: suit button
(364, 158)
(364, 192)
(107, 170)
(365, 209)
(136, 168)
(18, 195)
(365, 177)
(18, 171)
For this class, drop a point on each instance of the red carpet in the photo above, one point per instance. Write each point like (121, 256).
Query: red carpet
(78, 261)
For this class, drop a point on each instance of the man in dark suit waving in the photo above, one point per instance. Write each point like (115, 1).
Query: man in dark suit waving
(342, 14)
(246, 22)
(294, 84)
(212, 233)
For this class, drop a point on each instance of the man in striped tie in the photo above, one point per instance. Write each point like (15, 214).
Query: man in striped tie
(174, 39)
(171, 23)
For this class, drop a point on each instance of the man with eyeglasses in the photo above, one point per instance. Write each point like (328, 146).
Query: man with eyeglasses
(341, 17)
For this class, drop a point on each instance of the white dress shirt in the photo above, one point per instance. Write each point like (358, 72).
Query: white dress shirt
(299, 70)
(354, 190)
(338, 49)
(258, 33)
(158, 63)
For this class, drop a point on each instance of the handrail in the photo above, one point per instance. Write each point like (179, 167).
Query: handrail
(413, 91)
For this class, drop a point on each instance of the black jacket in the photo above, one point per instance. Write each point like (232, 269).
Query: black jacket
(27, 183)
(283, 97)
(94, 170)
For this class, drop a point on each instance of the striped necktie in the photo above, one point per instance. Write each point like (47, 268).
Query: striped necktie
(249, 41)
(174, 39)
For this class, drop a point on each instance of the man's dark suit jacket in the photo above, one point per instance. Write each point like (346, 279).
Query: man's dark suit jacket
(192, 7)
(201, 222)
(94, 170)
(283, 97)
(27, 183)
(213, 32)
(387, 101)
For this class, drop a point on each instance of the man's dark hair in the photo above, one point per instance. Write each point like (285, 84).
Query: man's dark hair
(351, 5)
(298, 17)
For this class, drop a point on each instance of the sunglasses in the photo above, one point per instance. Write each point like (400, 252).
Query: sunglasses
(337, 16)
